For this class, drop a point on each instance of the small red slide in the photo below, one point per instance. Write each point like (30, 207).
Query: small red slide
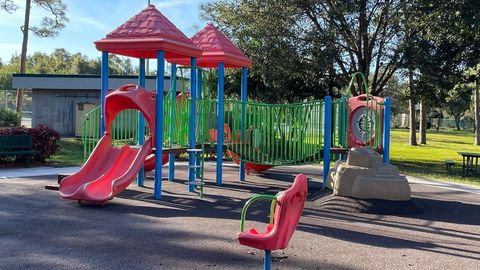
(109, 170)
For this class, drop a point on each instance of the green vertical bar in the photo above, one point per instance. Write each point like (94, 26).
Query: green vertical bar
(295, 140)
(311, 141)
(271, 135)
(320, 117)
(264, 131)
(287, 120)
(255, 114)
(293, 134)
(273, 119)
(281, 134)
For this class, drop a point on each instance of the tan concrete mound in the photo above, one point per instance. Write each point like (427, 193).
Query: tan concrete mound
(363, 175)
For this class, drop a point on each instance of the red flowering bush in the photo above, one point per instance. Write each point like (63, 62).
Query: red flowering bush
(44, 139)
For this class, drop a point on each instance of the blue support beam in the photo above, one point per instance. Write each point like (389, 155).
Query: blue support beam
(243, 98)
(327, 138)
(141, 121)
(199, 96)
(157, 194)
(171, 156)
(266, 261)
(192, 123)
(386, 131)
(220, 121)
(103, 91)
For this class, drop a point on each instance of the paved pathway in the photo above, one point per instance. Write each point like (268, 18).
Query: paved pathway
(44, 171)
(445, 185)
(36, 171)
(40, 230)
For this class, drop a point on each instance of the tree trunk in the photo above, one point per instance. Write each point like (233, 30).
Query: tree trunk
(477, 116)
(423, 123)
(457, 122)
(23, 57)
(411, 108)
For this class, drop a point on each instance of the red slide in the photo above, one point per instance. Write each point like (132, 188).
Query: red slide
(109, 170)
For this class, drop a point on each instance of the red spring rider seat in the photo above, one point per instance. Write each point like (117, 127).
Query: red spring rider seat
(285, 212)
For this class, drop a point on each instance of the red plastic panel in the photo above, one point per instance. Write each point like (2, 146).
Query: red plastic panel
(146, 33)
(217, 48)
(288, 210)
(356, 118)
(149, 164)
(248, 165)
(109, 170)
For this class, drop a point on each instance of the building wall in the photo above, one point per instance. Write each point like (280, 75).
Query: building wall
(55, 97)
(56, 108)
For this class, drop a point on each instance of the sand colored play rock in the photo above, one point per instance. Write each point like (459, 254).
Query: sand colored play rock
(363, 175)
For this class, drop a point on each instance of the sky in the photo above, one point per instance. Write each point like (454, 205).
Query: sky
(91, 20)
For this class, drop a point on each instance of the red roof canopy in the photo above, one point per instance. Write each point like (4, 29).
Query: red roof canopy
(216, 48)
(145, 34)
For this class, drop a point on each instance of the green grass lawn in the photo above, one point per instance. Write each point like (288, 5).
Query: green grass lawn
(429, 160)
(69, 154)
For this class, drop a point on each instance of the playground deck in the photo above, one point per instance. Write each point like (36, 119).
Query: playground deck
(39, 230)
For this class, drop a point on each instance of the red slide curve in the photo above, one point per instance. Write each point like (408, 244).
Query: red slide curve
(109, 170)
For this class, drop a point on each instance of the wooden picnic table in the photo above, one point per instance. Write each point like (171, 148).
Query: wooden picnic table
(468, 161)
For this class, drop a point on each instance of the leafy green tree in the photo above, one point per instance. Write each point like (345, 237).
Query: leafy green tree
(458, 101)
(440, 43)
(312, 45)
(49, 27)
(473, 75)
(6, 72)
(263, 30)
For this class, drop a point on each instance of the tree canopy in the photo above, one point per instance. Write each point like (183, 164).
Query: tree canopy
(304, 49)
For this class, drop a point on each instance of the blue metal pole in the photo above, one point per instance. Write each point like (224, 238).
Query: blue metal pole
(386, 131)
(220, 122)
(266, 262)
(103, 91)
(157, 194)
(171, 156)
(327, 138)
(243, 98)
(199, 96)
(141, 121)
(192, 123)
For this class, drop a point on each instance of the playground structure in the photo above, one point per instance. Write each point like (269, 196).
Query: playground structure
(256, 135)
(363, 175)
(285, 212)
(109, 170)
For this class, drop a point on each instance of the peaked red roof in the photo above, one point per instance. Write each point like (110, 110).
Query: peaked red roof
(217, 48)
(146, 33)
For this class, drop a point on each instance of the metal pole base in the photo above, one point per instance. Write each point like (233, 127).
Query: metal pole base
(266, 262)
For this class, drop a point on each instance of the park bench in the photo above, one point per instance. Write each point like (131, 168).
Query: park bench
(448, 165)
(17, 146)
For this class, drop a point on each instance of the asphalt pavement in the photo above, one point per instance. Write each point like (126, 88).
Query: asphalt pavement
(40, 230)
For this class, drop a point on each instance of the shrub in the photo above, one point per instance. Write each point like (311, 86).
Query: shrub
(9, 118)
(44, 139)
